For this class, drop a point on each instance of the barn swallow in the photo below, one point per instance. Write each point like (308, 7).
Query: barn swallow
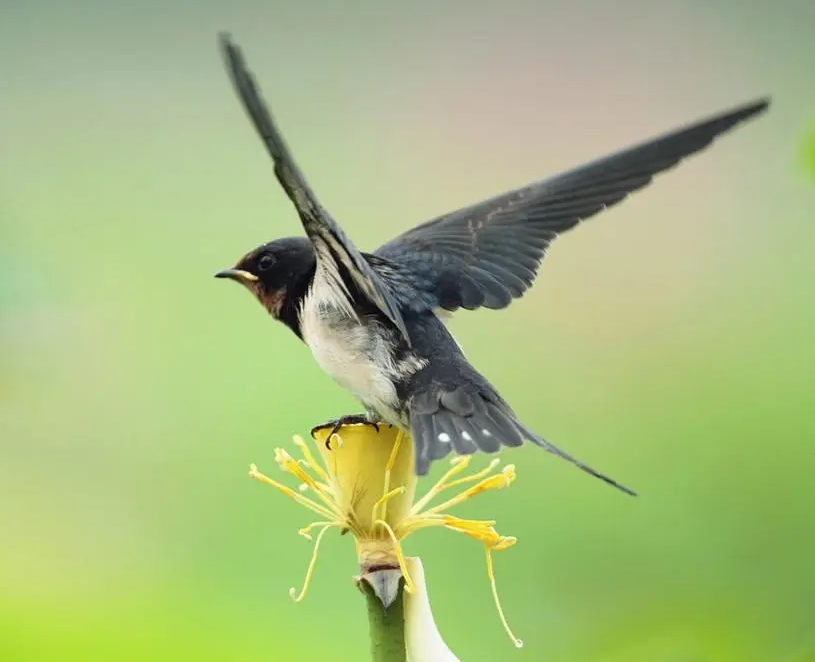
(375, 321)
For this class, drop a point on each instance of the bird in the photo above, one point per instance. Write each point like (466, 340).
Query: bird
(376, 322)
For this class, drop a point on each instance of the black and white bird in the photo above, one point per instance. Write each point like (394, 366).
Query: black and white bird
(373, 321)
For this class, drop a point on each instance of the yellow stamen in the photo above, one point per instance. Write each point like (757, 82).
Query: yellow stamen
(388, 468)
(480, 530)
(290, 465)
(305, 531)
(478, 475)
(400, 557)
(310, 460)
(383, 502)
(518, 642)
(504, 543)
(292, 494)
(312, 563)
(412, 524)
(459, 463)
(496, 482)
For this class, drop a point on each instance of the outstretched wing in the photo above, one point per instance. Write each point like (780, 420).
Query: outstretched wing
(330, 242)
(489, 253)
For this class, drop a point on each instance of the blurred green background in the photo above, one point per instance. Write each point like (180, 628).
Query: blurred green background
(667, 342)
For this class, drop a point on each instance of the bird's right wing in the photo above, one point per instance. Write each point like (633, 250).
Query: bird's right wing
(330, 242)
(488, 254)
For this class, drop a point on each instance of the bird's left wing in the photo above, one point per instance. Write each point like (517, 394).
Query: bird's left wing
(488, 254)
(329, 240)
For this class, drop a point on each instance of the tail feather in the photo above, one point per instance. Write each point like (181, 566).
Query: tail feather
(422, 428)
(466, 420)
(540, 441)
(456, 431)
(485, 444)
(442, 435)
(504, 423)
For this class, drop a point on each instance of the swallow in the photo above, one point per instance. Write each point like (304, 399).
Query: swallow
(375, 322)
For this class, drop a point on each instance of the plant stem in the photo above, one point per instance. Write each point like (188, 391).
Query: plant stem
(387, 626)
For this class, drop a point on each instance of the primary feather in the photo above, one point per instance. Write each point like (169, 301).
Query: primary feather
(330, 241)
(489, 253)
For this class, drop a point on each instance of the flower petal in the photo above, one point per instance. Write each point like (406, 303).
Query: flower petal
(368, 464)
(422, 638)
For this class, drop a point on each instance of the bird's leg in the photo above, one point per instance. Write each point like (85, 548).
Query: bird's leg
(368, 418)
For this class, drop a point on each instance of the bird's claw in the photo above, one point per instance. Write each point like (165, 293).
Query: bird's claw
(350, 419)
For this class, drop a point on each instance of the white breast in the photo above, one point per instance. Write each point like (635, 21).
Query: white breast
(355, 352)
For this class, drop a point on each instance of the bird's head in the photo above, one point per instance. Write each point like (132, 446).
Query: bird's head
(272, 271)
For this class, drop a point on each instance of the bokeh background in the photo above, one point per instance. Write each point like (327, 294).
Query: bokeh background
(667, 342)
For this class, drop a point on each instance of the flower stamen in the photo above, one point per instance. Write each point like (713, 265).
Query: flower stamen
(478, 475)
(315, 466)
(305, 531)
(292, 494)
(383, 502)
(459, 463)
(292, 591)
(400, 557)
(518, 642)
(290, 465)
(494, 482)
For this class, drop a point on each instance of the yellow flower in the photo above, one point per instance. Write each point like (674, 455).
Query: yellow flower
(365, 484)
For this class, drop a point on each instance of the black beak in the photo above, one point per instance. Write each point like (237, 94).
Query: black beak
(237, 274)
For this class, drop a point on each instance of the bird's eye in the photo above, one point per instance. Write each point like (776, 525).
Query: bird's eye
(265, 262)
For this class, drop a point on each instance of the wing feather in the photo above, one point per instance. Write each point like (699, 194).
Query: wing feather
(497, 245)
(329, 239)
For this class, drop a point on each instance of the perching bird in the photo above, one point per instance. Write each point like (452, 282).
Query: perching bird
(373, 320)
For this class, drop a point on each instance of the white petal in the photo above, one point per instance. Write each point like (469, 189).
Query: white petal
(422, 638)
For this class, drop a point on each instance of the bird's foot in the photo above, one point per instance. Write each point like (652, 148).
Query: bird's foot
(338, 423)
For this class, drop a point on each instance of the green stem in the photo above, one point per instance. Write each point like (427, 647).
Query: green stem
(387, 626)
